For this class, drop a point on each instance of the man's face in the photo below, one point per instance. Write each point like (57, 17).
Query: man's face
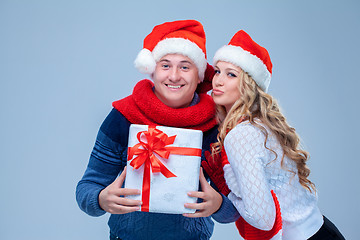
(175, 79)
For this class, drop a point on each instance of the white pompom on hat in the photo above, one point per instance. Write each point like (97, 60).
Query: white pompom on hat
(186, 37)
(245, 53)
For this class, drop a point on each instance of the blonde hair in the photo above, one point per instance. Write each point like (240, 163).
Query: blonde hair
(255, 103)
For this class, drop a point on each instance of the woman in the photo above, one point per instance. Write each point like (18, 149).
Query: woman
(262, 149)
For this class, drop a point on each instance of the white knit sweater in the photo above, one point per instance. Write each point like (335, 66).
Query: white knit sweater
(254, 171)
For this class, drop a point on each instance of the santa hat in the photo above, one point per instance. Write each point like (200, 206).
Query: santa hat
(254, 59)
(186, 37)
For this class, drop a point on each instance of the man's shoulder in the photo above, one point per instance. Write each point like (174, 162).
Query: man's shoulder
(116, 126)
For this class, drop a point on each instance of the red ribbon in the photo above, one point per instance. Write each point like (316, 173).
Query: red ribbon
(156, 142)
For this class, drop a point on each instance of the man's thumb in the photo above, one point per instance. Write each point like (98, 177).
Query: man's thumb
(120, 180)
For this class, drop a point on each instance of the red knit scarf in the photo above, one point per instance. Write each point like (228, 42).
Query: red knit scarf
(143, 107)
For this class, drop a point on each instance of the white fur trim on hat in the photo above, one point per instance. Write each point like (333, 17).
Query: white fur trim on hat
(247, 61)
(145, 62)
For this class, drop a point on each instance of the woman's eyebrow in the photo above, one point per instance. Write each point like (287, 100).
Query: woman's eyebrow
(232, 69)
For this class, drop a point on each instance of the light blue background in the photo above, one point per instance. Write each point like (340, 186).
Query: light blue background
(62, 63)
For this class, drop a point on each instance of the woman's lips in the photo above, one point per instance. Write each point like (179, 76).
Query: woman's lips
(217, 92)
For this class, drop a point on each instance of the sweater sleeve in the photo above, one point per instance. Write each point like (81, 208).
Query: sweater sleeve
(227, 212)
(250, 192)
(107, 160)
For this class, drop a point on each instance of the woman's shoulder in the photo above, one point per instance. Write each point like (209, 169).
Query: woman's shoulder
(246, 127)
(246, 132)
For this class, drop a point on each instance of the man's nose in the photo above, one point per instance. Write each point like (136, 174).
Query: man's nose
(174, 75)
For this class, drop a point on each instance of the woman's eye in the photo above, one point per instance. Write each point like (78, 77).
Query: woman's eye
(217, 71)
(231, 75)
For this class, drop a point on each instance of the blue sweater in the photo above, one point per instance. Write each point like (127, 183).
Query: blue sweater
(108, 160)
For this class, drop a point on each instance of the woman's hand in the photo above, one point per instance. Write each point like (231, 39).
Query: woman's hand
(212, 200)
(112, 200)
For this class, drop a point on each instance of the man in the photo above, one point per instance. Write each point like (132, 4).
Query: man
(174, 55)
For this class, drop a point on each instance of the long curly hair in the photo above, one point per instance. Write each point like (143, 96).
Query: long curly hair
(255, 103)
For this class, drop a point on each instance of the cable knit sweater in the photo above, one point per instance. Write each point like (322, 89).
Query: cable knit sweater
(253, 173)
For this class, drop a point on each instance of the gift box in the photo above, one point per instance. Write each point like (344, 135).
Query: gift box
(164, 163)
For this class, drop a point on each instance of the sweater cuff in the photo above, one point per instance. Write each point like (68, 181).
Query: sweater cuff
(227, 213)
(94, 204)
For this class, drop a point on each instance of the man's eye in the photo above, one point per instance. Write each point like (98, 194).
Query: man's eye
(165, 66)
(185, 67)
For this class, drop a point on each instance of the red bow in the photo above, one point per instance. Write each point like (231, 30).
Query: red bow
(156, 142)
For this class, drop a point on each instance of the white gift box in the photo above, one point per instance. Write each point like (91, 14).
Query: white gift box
(166, 194)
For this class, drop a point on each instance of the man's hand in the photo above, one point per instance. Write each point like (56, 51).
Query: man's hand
(212, 200)
(112, 200)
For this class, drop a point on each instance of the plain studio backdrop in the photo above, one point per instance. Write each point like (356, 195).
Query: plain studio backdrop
(62, 64)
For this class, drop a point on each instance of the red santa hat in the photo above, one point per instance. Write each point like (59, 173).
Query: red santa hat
(245, 53)
(186, 37)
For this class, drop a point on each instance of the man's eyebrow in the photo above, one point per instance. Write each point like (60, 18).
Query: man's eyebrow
(183, 61)
(186, 61)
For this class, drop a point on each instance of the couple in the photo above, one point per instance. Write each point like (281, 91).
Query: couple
(258, 173)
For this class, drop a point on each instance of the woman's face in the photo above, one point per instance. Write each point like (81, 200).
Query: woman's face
(226, 84)
(175, 78)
